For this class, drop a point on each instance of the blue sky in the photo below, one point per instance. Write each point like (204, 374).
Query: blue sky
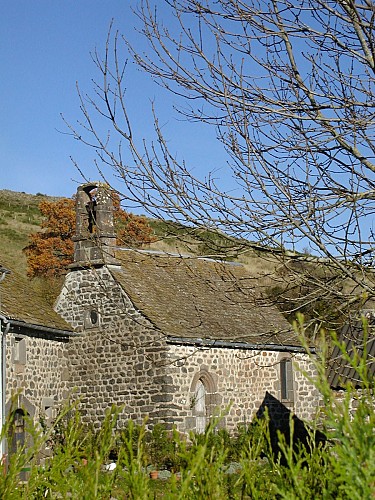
(45, 49)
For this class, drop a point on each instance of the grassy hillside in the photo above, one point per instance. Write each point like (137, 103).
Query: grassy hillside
(19, 216)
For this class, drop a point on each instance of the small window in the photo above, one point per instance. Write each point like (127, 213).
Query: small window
(19, 351)
(48, 407)
(92, 318)
(286, 380)
(17, 439)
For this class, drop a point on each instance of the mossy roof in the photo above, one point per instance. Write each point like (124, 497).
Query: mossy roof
(25, 300)
(195, 298)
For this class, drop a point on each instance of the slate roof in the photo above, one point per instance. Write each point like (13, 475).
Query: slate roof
(340, 370)
(24, 300)
(195, 298)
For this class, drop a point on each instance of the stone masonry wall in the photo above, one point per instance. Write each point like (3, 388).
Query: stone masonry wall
(242, 381)
(120, 359)
(37, 374)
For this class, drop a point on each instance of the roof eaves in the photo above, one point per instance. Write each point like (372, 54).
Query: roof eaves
(41, 328)
(236, 345)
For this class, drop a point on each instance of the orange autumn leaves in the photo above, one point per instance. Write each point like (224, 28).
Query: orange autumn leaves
(50, 251)
(132, 230)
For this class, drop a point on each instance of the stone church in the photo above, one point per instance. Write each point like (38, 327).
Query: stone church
(172, 338)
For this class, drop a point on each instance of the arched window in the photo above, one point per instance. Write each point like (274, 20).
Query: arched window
(200, 407)
(286, 380)
(204, 398)
(18, 430)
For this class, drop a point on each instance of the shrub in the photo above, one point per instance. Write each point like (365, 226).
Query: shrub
(341, 467)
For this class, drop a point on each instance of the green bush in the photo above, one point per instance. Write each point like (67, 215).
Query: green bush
(212, 465)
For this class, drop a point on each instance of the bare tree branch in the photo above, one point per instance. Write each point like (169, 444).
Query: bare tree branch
(289, 88)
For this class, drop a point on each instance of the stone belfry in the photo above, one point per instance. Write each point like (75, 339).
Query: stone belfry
(95, 238)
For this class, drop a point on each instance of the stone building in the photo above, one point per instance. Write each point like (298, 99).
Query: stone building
(170, 338)
(34, 341)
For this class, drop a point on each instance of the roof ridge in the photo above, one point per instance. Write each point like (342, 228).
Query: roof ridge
(178, 255)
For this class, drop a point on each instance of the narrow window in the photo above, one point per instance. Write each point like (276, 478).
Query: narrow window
(200, 407)
(47, 405)
(91, 210)
(205, 399)
(19, 351)
(17, 442)
(18, 431)
(286, 380)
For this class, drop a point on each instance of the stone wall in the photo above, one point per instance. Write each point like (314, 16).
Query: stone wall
(239, 382)
(122, 359)
(37, 373)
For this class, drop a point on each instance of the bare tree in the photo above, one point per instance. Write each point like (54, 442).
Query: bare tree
(289, 88)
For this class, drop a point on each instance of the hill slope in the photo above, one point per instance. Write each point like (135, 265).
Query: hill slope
(19, 216)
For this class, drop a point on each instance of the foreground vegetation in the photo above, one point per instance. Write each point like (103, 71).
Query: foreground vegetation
(213, 465)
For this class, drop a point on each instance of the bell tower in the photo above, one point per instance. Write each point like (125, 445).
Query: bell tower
(95, 238)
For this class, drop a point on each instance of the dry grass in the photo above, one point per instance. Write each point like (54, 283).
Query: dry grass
(19, 216)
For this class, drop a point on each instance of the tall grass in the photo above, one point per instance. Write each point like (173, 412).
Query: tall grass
(214, 465)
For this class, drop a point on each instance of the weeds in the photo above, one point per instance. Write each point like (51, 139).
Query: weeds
(217, 465)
